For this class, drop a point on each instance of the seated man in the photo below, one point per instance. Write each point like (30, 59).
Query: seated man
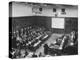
(73, 38)
(46, 49)
(64, 42)
(34, 55)
(22, 53)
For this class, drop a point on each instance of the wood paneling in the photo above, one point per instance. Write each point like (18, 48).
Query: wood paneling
(71, 24)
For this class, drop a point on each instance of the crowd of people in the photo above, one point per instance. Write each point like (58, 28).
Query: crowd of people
(27, 39)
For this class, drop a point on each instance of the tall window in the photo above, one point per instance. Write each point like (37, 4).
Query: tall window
(40, 9)
(63, 10)
(54, 9)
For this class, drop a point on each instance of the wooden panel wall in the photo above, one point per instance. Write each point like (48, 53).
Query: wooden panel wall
(70, 23)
